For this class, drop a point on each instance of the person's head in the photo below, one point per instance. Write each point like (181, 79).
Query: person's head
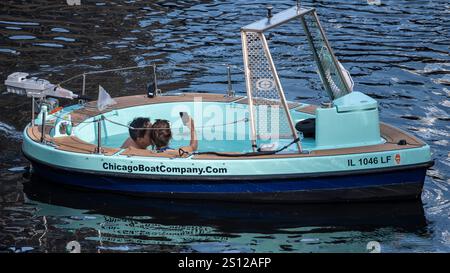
(161, 133)
(142, 138)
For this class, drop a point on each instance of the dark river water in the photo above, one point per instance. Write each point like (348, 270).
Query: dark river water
(397, 52)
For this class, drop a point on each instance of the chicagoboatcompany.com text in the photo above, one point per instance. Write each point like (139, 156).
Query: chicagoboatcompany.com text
(163, 169)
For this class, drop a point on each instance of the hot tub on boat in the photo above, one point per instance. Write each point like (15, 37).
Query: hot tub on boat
(335, 152)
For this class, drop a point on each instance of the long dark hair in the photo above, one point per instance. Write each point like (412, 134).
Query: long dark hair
(161, 135)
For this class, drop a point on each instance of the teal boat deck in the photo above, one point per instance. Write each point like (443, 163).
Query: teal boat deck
(390, 135)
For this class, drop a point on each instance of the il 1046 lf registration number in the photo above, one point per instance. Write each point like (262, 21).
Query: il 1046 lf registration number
(372, 160)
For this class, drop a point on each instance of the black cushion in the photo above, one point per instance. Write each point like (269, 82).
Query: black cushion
(307, 127)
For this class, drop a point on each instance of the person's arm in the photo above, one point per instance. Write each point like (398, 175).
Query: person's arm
(193, 145)
(194, 141)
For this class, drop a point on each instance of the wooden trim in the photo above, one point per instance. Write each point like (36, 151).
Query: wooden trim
(146, 153)
(76, 145)
(394, 135)
(35, 133)
(310, 109)
(68, 143)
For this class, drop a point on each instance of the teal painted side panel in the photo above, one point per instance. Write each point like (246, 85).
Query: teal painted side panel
(352, 121)
(348, 129)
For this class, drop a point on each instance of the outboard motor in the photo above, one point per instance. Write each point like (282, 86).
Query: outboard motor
(22, 84)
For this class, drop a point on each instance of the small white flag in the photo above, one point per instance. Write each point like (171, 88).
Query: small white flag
(104, 99)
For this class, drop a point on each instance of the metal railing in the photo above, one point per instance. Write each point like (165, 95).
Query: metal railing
(99, 148)
(229, 92)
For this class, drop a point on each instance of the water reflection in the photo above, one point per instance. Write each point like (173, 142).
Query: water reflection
(115, 222)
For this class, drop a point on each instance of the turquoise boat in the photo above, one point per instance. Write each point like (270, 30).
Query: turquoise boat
(254, 148)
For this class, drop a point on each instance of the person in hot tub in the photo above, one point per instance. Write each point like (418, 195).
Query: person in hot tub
(139, 139)
(161, 135)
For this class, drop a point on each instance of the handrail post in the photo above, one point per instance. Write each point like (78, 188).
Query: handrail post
(98, 149)
(44, 118)
(32, 111)
(155, 82)
(249, 90)
(230, 92)
(83, 90)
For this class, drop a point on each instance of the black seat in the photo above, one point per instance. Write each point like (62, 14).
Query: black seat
(307, 127)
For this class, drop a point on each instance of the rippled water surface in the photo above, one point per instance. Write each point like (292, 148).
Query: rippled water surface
(397, 52)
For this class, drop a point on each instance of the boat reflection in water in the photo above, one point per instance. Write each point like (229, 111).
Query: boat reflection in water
(223, 226)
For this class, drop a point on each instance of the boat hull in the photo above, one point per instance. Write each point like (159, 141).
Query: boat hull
(393, 167)
(403, 183)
